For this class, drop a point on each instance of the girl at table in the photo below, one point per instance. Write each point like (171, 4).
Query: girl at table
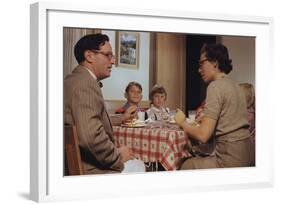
(224, 114)
(158, 110)
(133, 94)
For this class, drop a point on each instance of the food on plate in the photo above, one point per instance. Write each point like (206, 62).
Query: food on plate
(134, 123)
(130, 122)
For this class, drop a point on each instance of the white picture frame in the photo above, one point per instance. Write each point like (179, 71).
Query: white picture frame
(47, 182)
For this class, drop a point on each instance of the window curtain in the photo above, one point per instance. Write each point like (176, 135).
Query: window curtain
(70, 38)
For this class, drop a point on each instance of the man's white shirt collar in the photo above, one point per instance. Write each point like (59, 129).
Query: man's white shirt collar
(91, 73)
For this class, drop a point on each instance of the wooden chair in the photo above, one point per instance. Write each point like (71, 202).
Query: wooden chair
(73, 162)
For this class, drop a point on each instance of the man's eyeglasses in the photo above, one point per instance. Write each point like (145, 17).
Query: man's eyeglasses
(108, 55)
(200, 63)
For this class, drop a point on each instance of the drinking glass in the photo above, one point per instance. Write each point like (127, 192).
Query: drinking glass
(192, 114)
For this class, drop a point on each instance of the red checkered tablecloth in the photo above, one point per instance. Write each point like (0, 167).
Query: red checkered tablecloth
(163, 145)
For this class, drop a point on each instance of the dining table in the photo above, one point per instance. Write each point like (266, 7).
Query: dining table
(155, 142)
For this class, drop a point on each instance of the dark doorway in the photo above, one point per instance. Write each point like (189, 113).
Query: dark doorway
(196, 89)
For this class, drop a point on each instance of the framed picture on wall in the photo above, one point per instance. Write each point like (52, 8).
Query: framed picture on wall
(127, 49)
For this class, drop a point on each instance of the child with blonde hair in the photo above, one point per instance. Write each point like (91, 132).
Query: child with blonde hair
(158, 109)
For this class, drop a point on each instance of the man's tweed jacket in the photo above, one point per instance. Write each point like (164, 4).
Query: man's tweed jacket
(84, 107)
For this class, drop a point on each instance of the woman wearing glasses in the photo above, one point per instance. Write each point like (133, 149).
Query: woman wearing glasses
(225, 114)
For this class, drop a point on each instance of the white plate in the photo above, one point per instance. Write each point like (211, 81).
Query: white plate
(172, 121)
(139, 122)
(134, 125)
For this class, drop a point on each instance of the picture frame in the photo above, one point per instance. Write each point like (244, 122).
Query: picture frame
(127, 49)
(47, 182)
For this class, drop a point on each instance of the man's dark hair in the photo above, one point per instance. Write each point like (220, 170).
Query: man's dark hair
(219, 53)
(89, 42)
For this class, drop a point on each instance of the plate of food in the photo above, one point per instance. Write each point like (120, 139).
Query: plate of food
(134, 123)
(172, 121)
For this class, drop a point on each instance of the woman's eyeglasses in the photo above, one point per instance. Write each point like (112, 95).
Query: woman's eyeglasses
(200, 63)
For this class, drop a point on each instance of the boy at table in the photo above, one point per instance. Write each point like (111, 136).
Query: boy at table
(158, 110)
(133, 94)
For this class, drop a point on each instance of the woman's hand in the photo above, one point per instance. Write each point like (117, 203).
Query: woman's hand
(180, 117)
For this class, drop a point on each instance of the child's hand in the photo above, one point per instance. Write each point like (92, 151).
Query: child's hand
(130, 113)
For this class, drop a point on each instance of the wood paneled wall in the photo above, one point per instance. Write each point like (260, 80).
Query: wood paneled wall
(170, 66)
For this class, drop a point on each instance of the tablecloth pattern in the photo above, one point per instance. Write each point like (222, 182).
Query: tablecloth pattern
(166, 146)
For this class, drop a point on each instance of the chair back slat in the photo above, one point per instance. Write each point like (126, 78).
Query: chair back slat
(73, 163)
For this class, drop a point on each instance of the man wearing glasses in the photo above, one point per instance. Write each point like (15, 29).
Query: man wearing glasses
(84, 107)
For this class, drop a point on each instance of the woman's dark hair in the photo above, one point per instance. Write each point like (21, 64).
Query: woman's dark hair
(131, 84)
(89, 42)
(157, 89)
(219, 53)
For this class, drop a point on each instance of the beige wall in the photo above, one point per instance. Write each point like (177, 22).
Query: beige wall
(114, 86)
(242, 53)
(170, 66)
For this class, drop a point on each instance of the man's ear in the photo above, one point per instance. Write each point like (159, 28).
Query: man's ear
(88, 56)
